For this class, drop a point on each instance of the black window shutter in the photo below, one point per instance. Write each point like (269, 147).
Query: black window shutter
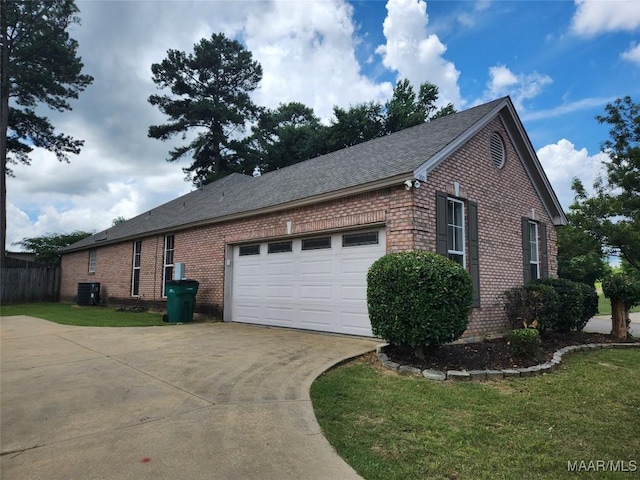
(544, 257)
(441, 223)
(474, 254)
(526, 251)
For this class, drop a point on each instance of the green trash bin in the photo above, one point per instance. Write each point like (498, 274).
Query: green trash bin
(181, 296)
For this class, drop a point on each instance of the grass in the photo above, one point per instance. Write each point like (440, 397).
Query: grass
(69, 314)
(604, 304)
(388, 426)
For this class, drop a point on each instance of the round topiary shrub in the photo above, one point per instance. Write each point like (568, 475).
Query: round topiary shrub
(418, 299)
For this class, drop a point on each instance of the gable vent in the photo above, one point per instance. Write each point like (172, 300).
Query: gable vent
(496, 146)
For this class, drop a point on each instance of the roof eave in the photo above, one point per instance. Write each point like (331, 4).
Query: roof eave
(325, 197)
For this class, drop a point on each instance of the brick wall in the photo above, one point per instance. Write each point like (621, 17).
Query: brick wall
(503, 196)
(202, 249)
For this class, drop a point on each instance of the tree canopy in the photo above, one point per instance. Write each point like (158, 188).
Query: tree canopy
(210, 103)
(210, 97)
(283, 136)
(46, 247)
(580, 255)
(612, 214)
(39, 65)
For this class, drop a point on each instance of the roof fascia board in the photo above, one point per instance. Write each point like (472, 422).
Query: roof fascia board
(538, 177)
(325, 197)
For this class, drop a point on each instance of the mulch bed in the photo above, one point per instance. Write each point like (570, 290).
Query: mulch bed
(492, 354)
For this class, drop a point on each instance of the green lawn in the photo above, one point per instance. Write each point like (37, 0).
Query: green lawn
(94, 316)
(604, 306)
(388, 426)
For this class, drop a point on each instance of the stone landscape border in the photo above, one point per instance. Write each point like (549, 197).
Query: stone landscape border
(481, 375)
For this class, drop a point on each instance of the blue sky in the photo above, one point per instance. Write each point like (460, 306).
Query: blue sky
(560, 61)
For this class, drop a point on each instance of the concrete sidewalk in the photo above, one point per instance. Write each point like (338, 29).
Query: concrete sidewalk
(200, 401)
(602, 324)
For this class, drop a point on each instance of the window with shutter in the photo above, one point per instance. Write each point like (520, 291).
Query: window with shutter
(457, 236)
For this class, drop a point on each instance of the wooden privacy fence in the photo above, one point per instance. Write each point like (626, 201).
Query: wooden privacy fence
(28, 282)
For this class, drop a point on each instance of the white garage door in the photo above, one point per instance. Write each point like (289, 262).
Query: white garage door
(314, 283)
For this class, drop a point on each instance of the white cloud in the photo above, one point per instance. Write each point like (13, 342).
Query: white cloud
(414, 53)
(520, 87)
(595, 17)
(307, 52)
(632, 54)
(562, 162)
(567, 108)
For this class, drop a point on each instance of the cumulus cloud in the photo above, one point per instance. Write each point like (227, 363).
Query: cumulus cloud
(520, 87)
(562, 162)
(596, 17)
(307, 51)
(632, 54)
(414, 53)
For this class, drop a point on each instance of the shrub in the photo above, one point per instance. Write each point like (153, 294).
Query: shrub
(624, 288)
(524, 343)
(418, 299)
(589, 304)
(570, 308)
(624, 292)
(533, 305)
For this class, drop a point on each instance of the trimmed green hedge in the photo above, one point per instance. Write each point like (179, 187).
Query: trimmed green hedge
(553, 304)
(418, 299)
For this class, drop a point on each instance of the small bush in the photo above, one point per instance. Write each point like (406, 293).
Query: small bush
(418, 299)
(589, 304)
(532, 306)
(570, 308)
(524, 343)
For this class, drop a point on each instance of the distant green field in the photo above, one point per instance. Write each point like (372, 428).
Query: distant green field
(604, 304)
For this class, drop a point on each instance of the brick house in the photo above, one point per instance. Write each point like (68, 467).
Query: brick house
(292, 247)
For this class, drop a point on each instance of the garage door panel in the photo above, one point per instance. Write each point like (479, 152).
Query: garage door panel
(354, 323)
(283, 291)
(353, 292)
(316, 317)
(316, 292)
(317, 289)
(280, 269)
(249, 291)
(279, 314)
(355, 267)
(316, 268)
(249, 313)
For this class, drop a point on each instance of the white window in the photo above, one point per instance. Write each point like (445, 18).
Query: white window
(135, 276)
(167, 275)
(93, 259)
(455, 231)
(534, 258)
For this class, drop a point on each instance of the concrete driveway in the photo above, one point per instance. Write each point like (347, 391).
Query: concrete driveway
(200, 401)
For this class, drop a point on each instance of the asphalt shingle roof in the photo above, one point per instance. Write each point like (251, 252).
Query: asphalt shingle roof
(396, 154)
